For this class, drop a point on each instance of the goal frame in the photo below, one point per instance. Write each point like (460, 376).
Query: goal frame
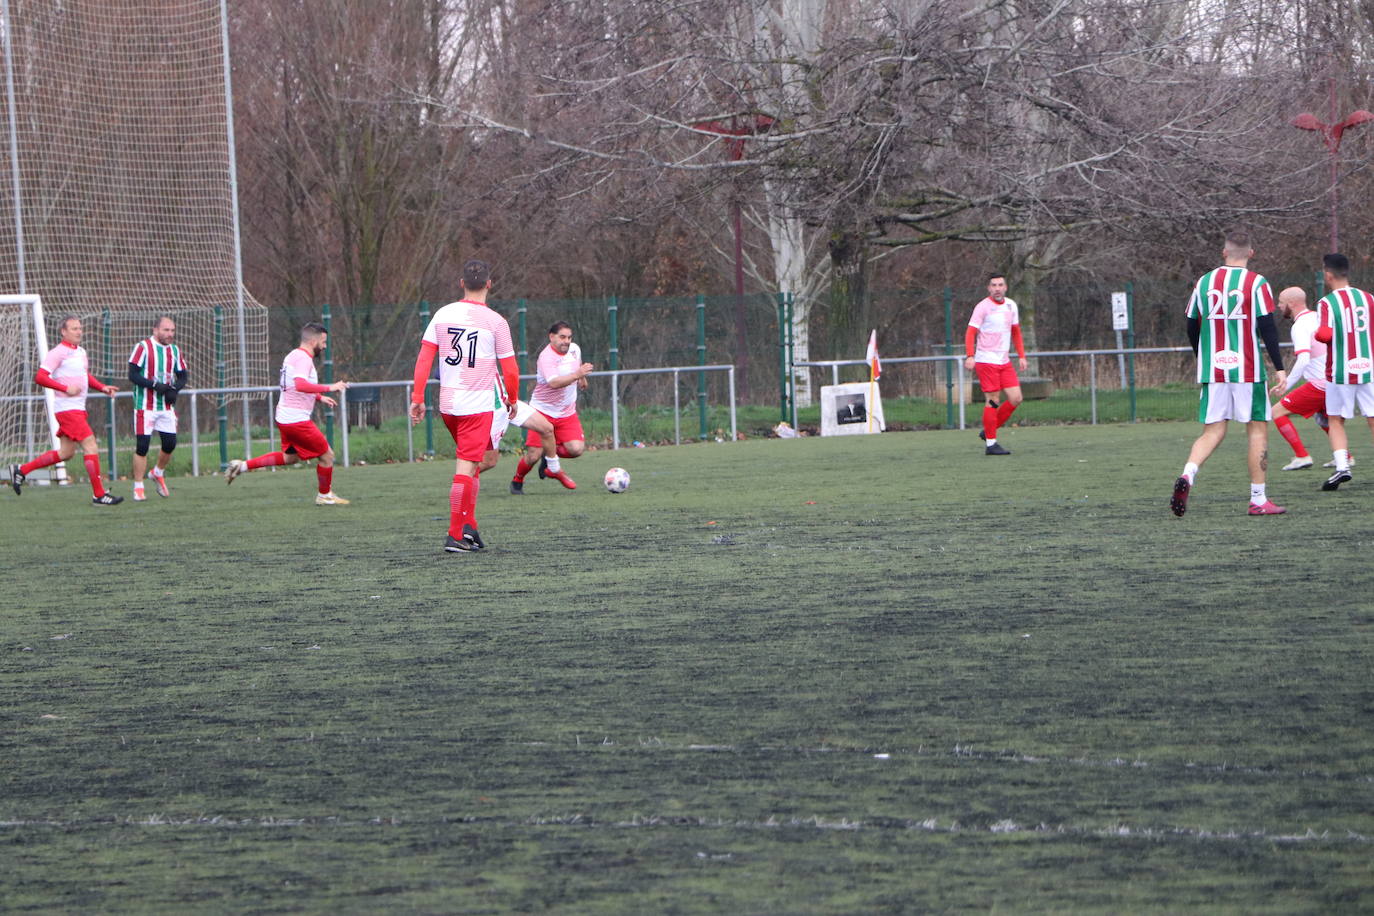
(30, 434)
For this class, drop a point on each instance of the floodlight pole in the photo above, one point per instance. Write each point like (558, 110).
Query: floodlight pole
(1331, 132)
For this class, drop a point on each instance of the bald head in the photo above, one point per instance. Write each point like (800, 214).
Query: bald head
(1292, 301)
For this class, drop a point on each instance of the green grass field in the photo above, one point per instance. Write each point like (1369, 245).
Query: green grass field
(883, 674)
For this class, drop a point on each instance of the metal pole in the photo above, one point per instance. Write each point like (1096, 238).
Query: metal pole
(107, 364)
(410, 428)
(792, 361)
(782, 355)
(1121, 361)
(220, 383)
(734, 430)
(1092, 384)
(234, 216)
(949, 351)
(195, 438)
(343, 420)
(1130, 341)
(834, 373)
(327, 318)
(523, 354)
(959, 366)
(677, 410)
(701, 361)
(615, 411)
(14, 148)
(429, 407)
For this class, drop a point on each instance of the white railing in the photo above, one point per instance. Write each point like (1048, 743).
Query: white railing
(271, 391)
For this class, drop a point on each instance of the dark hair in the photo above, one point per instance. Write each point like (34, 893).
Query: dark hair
(162, 318)
(66, 319)
(1239, 239)
(995, 275)
(312, 329)
(558, 326)
(476, 275)
(1338, 265)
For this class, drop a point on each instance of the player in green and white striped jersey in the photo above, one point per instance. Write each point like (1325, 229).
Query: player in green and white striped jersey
(158, 373)
(1229, 313)
(1346, 317)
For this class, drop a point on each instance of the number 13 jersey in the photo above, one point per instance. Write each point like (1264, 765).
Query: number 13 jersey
(1230, 301)
(471, 339)
(1350, 355)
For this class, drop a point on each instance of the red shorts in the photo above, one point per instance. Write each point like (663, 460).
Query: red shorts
(304, 438)
(993, 378)
(471, 434)
(565, 429)
(1305, 400)
(73, 425)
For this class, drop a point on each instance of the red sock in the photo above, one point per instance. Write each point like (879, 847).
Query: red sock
(521, 469)
(325, 476)
(270, 460)
(562, 452)
(458, 504)
(1004, 412)
(1290, 434)
(93, 472)
(42, 461)
(989, 422)
(476, 489)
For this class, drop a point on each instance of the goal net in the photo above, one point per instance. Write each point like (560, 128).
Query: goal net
(25, 410)
(116, 184)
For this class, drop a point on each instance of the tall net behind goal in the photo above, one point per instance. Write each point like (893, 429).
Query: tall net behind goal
(116, 193)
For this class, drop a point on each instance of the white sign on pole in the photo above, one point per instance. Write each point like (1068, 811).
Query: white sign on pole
(1121, 321)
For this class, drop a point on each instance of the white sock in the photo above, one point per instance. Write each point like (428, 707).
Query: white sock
(138, 486)
(1190, 471)
(554, 465)
(1342, 457)
(156, 472)
(1257, 497)
(992, 441)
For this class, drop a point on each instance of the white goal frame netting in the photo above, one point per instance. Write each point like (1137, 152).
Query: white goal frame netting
(118, 198)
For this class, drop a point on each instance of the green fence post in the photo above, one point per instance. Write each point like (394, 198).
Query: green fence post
(613, 325)
(328, 369)
(782, 357)
(949, 364)
(223, 409)
(701, 361)
(523, 354)
(1130, 342)
(1320, 284)
(107, 364)
(429, 407)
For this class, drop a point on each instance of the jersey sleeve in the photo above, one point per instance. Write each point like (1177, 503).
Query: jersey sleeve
(1302, 337)
(547, 367)
(52, 360)
(1264, 297)
(504, 345)
(1196, 301)
(136, 357)
(1015, 313)
(431, 334)
(980, 312)
(294, 368)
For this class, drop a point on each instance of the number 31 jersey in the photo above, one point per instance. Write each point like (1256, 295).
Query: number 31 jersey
(1350, 355)
(1230, 301)
(472, 339)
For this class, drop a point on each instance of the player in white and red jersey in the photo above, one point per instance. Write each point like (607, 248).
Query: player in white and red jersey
(301, 439)
(1347, 328)
(1306, 387)
(473, 344)
(519, 414)
(992, 330)
(158, 373)
(559, 374)
(1229, 313)
(65, 369)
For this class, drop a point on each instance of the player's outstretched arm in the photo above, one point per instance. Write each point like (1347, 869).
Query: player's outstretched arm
(424, 365)
(510, 378)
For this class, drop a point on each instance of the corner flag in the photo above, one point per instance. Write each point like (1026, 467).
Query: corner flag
(875, 372)
(875, 368)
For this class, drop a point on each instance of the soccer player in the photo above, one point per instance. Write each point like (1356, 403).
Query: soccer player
(472, 342)
(65, 370)
(1229, 313)
(301, 439)
(158, 374)
(1306, 386)
(560, 373)
(1345, 316)
(994, 326)
(518, 414)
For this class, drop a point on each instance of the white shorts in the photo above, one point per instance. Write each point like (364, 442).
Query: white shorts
(147, 422)
(1341, 400)
(501, 419)
(1243, 401)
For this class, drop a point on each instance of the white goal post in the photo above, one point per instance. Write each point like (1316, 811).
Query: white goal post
(27, 424)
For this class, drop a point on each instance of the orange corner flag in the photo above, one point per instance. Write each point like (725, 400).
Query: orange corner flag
(875, 368)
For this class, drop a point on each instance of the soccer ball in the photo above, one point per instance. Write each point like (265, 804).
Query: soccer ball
(617, 480)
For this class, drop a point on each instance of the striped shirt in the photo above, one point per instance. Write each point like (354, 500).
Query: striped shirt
(158, 363)
(1350, 355)
(472, 340)
(1230, 301)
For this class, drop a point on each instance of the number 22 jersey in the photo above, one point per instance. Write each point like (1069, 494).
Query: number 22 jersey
(1230, 301)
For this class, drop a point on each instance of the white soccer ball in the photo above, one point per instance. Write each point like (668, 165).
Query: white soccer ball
(617, 480)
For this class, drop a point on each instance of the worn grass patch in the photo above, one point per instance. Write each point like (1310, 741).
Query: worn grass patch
(830, 675)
